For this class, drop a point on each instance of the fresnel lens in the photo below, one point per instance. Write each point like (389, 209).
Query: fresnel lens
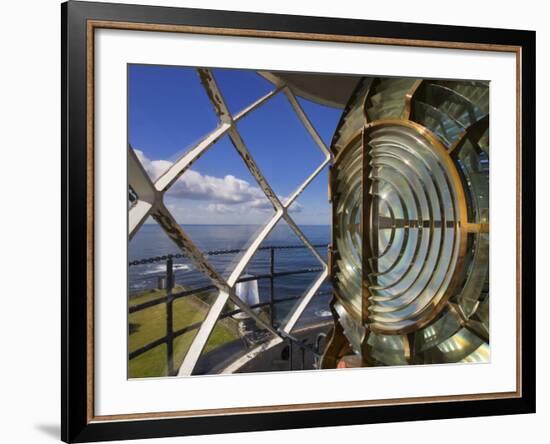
(410, 251)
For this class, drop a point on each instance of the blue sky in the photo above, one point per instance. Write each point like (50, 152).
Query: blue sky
(169, 112)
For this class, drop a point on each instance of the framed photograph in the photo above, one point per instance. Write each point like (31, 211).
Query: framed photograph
(276, 221)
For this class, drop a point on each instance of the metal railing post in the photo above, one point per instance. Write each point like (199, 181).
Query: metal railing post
(290, 353)
(169, 316)
(271, 285)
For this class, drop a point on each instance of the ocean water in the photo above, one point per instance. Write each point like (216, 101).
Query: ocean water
(151, 241)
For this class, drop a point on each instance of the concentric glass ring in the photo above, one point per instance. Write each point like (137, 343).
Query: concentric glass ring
(348, 225)
(413, 227)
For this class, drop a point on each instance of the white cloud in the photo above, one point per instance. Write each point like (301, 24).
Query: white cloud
(222, 208)
(153, 167)
(227, 194)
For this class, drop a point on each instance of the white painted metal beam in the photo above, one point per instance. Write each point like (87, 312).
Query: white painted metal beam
(150, 203)
(140, 182)
(250, 355)
(184, 162)
(304, 301)
(200, 339)
(137, 216)
(306, 122)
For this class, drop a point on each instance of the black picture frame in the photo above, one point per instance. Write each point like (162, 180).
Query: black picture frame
(77, 425)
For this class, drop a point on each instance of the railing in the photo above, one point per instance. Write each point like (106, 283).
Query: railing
(172, 296)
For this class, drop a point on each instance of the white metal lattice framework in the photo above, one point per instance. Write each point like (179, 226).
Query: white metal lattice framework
(150, 203)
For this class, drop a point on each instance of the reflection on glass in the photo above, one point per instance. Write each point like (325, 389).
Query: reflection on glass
(423, 295)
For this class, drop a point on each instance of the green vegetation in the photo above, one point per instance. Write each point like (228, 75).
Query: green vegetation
(147, 325)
